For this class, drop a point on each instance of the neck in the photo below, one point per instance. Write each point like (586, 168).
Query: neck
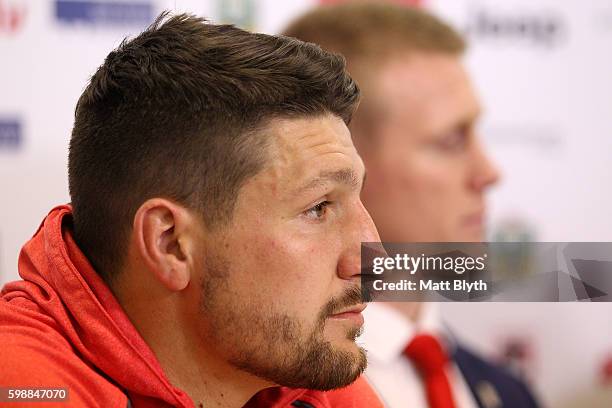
(410, 310)
(207, 380)
(188, 361)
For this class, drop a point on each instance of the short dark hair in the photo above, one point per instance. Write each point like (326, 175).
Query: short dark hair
(175, 113)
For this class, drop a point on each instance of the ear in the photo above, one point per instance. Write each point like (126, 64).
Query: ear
(163, 236)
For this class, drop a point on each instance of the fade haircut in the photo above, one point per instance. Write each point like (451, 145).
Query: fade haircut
(178, 112)
(368, 34)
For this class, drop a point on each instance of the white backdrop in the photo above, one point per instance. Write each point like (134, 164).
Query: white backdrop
(543, 69)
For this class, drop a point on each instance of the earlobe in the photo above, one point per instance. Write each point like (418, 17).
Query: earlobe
(158, 233)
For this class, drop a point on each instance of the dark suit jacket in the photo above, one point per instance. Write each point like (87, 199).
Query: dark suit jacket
(492, 386)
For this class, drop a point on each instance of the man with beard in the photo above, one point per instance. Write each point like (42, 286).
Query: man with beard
(212, 246)
(427, 175)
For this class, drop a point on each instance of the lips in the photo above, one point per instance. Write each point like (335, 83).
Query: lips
(352, 314)
(354, 309)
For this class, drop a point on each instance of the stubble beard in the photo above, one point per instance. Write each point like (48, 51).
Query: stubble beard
(272, 345)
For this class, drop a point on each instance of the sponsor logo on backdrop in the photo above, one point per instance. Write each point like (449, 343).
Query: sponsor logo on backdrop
(10, 134)
(532, 28)
(238, 12)
(104, 13)
(12, 16)
(514, 261)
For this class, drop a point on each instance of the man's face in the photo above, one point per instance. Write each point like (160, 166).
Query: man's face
(280, 289)
(427, 171)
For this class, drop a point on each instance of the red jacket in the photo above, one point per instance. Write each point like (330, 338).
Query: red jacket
(62, 327)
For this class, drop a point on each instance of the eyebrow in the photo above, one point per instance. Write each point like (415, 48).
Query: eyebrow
(347, 177)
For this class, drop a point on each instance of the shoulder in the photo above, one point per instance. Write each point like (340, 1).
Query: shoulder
(35, 355)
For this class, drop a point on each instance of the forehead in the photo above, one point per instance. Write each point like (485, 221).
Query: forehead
(308, 136)
(427, 89)
(302, 148)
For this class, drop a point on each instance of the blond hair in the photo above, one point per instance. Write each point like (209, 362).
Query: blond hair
(367, 34)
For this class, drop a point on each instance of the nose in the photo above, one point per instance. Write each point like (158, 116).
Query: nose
(368, 228)
(485, 173)
(361, 229)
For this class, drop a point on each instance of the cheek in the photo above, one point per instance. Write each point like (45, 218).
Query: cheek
(420, 191)
(408, 181)
(431, 177)
(292, 274)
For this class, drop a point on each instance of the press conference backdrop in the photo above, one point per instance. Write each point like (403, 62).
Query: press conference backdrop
(543, 69)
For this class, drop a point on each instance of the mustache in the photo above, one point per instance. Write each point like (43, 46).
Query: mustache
(353, 296)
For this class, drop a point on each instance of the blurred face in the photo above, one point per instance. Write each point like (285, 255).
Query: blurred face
(280, 289)
(427, 171)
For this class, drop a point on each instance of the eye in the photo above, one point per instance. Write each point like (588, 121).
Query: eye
(317, 212)
(453, 141)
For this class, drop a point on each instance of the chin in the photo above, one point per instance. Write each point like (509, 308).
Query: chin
(345, 341)
(347, 345)
(342, 331)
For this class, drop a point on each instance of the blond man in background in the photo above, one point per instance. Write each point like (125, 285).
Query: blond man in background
(427, 177)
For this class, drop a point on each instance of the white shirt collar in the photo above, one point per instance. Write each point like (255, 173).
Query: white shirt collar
(381, 320)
